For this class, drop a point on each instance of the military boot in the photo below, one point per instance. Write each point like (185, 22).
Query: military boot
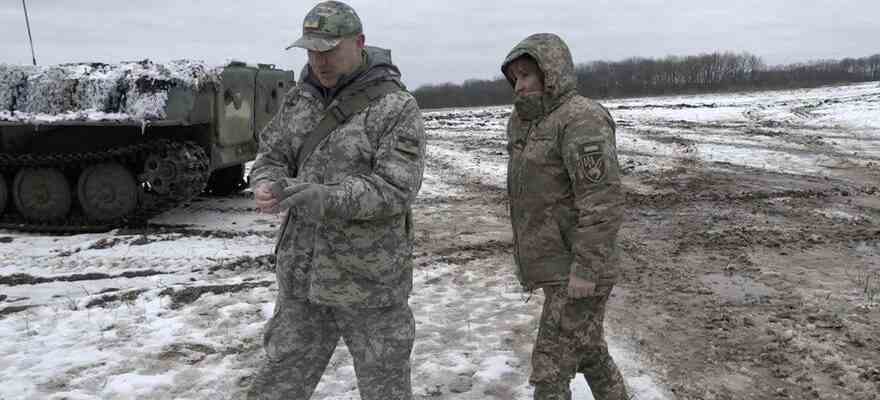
(605, 379)
(614, 390)
(552, 391)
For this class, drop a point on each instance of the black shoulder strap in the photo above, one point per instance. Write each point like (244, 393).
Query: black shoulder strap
(340, 113)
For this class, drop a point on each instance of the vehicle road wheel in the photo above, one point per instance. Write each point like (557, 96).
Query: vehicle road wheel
(159, 173)
(4, 194)
(107, 192)
(41, 194)
(226, 181)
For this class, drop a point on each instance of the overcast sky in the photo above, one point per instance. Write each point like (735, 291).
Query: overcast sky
(436, 41)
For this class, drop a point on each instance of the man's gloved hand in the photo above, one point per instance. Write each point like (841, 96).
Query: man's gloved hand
(305, 200)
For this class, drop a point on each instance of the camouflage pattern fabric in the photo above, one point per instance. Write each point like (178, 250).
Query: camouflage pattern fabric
(566, 201)
(326, 24)
(554, 60)
(571, 340)
(301, 338)
(359, 254)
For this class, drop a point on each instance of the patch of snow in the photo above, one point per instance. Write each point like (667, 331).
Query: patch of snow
(840, 215)
(136, 385)
(496, 368)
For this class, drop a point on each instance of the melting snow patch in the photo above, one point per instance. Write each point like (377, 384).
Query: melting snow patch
(496, 367)
(839, 215)
(132, 385)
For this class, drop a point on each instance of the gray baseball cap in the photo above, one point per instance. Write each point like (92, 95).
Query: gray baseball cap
(326, 25)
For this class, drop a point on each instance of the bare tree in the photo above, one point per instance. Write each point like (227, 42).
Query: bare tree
(638, 76)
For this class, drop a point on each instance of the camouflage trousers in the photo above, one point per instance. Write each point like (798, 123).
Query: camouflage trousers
(301, 337)
(571, 339)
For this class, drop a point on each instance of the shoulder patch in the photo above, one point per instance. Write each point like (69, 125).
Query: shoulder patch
(292, 95)
(408, 145)
(312, 22)
(591, 162)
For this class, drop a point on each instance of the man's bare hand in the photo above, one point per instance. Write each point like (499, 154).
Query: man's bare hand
(266, 201)
(579, 288)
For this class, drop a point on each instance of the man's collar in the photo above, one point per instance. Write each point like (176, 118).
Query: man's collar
(344, 80)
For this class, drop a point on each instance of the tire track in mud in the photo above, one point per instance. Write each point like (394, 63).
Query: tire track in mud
(189, 295)
(813, 103)
(450, 200)
(741, 188)
(180, 297)
(490, 146)
(236, 264)
(222, 210)
(720, 181)
(463, 254)
(456, 176)
(461, 118)
(816, 144)
(14, 310)
(157, 234)
(26, 279)
(678, 106)
(154, 233)
(264, 263)
(490, 246)
(667, 200)
(113, 295)
(482, 142)
(748, 236)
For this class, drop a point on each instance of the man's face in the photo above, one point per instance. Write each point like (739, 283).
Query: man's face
(528, 78)
(328, 66)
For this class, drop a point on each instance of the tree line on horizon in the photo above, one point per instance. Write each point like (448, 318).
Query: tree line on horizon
(638, 76)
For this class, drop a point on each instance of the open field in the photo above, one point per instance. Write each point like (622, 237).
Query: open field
(750, 254)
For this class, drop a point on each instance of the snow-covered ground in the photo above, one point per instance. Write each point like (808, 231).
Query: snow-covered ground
(119, 316)
(804, 131)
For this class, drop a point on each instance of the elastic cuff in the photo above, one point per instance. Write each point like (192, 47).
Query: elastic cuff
(257, 182)
(333, 202)
(584, 273)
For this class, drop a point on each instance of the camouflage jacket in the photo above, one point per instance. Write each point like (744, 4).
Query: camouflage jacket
(359, 254)
(566, 201)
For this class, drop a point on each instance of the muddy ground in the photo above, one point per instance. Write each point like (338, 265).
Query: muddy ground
(742, 282)
(738, 283)
(743, 285)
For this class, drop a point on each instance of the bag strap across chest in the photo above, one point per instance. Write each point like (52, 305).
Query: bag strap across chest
(340, 113)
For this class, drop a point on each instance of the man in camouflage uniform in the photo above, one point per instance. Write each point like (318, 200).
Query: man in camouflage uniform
(566, 207)
(344, 266)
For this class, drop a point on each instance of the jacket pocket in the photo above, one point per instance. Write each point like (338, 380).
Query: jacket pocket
(542, 249)
(367, 251)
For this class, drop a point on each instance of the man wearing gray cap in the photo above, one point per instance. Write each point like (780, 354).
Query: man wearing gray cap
(343, 160)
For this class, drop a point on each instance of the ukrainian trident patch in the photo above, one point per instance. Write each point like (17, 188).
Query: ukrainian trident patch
(591, 162)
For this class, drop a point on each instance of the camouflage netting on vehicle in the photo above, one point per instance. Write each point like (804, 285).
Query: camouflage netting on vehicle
(125, 91)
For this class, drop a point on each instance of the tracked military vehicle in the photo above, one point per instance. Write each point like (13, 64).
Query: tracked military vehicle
(90, 147)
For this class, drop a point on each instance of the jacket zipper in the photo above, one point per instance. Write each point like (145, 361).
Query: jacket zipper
(517, 180)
